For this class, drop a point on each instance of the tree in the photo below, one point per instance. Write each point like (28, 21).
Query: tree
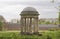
(53, 1)
(15, 21)
(1, 26)
(47, 22)
(59, 17)
(2, 21)
(41, 21)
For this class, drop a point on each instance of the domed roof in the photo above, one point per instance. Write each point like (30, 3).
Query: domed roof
(29, 10)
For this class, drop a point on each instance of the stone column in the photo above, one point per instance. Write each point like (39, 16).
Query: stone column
(25, 24)
(21, 24)
(30, 27)
(37, 28)
(35, 24)
(28, 24)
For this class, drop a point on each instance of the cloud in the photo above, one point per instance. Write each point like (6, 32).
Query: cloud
(12, 11)
(41, 3)
(12, 8)
(27, 2)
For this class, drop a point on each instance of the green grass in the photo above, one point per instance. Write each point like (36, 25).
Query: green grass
(17, 35)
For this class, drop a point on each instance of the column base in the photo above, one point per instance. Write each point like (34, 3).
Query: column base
(22, 32)
(26, 33)
(36, 33)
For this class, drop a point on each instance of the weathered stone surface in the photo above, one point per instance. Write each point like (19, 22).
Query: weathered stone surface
(29, 17)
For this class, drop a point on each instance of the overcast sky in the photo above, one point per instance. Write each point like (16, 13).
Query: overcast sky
(10, 9)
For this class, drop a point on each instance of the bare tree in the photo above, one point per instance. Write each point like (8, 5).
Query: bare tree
(53, 1)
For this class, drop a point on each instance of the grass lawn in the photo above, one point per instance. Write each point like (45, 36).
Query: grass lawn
(17, 35)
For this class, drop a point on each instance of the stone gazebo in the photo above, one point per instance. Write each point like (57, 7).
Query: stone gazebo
(29, 20)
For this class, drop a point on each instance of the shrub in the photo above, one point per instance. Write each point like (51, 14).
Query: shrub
(45, 35)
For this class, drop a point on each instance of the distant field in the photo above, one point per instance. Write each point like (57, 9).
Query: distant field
(41, 31)
(8, 31)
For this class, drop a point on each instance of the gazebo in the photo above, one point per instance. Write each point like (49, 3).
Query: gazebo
(29, 20)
